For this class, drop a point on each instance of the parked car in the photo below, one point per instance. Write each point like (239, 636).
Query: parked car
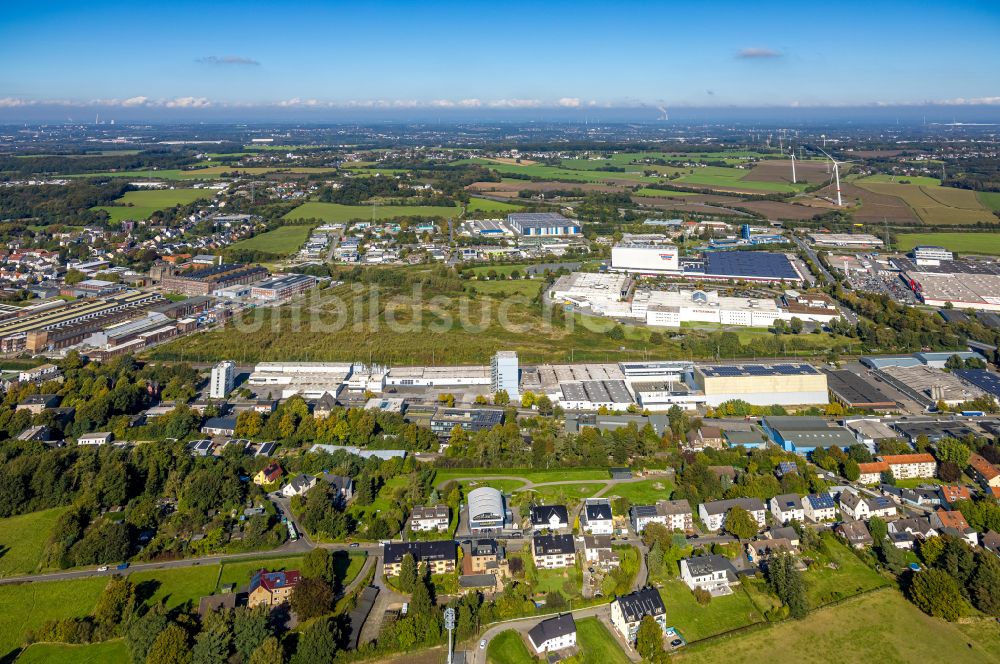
(102, 568)
(482, 644)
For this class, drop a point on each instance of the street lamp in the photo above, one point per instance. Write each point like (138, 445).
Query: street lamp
(449, 624)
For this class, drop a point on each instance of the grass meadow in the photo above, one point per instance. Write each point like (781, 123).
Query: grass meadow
(963, 243)
(140, 205)
(283, 240)
(22, 540)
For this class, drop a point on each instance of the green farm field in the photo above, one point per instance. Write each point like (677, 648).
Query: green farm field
(878, 627)
(334, 212)
(140, 205)
(661, 193)
(283, 240)
(731, 179)
(22, 540)
(557, 174)
(936, 205)
(964, 243)
(990, 199)
(487, 205)
(106, 652)
(27, 606)
(526, 287)
(902, 179)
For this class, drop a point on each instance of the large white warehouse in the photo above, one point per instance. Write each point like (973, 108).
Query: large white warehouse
(645, 254)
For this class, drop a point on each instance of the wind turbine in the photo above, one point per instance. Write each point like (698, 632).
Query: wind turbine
(793, 165)
(836, 175)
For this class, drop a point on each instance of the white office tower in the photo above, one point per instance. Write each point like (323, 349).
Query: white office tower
(505, 374)
(223, 377)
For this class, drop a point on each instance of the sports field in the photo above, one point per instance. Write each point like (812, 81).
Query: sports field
(936, 205)
(22, 540)
(283, 241)
(140, 205)
(964, 243)
(335, 212)
(879, 627)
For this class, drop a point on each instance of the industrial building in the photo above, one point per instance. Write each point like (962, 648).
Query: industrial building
(803, 435)
(762, 384)
(283, 287)
(645, 254)
(760, 266)
(938, 280)
(204, 281)
(854, 391)
(533, 224)
(445, 420)
(849, 240)
(488, 514)
(65, 325)
(311, 380)
(595, 394)
(927, 385)
(601, 292)
(439, 376)
(985, 380)
(504, 374)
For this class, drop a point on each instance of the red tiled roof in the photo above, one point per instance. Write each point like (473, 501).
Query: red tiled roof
(898, 459)
(873, 467)
(982, 466)
(953, 519)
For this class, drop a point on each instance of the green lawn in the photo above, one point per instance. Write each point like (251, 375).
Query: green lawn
(970, 243)
(177, 586)
(240, 572)
(848, 575)
(487, 205)
(283, 240)
(879, 627)
(25, 607)
(108, 652)
(508, 648)
(568, 581)
(598, 644)
(525, 287)
(506, 486)
(696, 622)
(334, 212)
(560, 494)
(23, 538)
(645, 492)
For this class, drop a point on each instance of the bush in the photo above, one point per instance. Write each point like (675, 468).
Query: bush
(702, 596)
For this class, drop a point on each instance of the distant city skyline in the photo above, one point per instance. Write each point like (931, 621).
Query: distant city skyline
(311, 60)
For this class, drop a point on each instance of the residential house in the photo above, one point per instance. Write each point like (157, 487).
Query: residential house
(672, 514)
(909, 466)
(341, 487)
(855, 532)
(991, 542)
(552, 517)
(705, 437)
(904, 533)
(628, 611)
(597, 551)
(819, 507)
(96, 438)
(713, 514)
(435, 517)
(713, 573)
(38, 403)
(483, 556)
(553, 551)
(269, 474)
(298, 486)
(980, 470)
(787, 507)
(211, 603)
(871, 473)
(272, 588)
(440, 556)
(597, 517)
(786, 467)
(855, 506)
(952, 493)
(219, 426)
(553, 634)
(759, 551)
(953, 523)
(324, 406)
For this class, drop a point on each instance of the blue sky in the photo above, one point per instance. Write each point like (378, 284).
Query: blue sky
(467, 55)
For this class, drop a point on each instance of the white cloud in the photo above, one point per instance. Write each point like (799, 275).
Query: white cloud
(188, 102)
(14, 102)
(974, 101)
(470, 103)
(569, 102)
(135, 101)
(515, 103)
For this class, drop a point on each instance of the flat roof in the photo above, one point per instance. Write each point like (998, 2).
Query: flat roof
(758, 264)
(856, 391)
(981, 378)
(743, 370)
